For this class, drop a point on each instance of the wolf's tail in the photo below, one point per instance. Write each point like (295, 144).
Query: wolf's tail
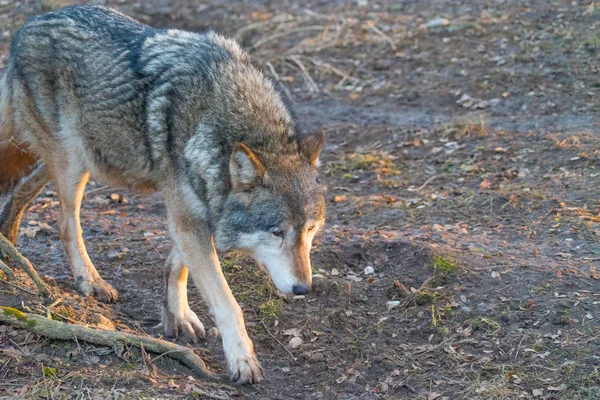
(15, 160)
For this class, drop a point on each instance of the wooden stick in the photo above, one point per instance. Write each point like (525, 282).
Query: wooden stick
(12, 252)
(6, 269)
(59, 330)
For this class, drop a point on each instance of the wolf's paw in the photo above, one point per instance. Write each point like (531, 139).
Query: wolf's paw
(100, 289)
(187, 328)
(246, 370)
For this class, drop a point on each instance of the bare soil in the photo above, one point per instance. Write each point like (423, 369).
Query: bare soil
(462, 165)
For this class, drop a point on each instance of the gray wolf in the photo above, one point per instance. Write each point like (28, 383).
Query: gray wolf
(91, 92)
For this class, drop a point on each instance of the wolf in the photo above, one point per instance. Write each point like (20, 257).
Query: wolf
(89, 91)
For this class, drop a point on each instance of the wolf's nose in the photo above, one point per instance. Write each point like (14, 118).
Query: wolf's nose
(300, 289)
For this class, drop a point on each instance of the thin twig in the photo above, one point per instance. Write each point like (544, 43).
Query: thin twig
(279, 19)
(7, 247)
(378, 31)
(278, 341)
(100, 189)
(19, 287)
(427, 182)
(286, 33)
(276, 76)
(310, 80)
(210, 395)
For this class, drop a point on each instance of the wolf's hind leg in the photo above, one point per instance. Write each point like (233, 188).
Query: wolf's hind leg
(14, 203)
(179, 320)
(70, 186)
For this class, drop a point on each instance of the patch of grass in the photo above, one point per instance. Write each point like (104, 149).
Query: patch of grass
(467, 127)
(378, 162)
(50, 372)
(252, 287)
(270, 309)
(492, 325)
(445, 264)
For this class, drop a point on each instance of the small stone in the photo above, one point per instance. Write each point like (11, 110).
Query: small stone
(295, 342)
(437, 22)
(368, 270)
(334, 272)
(213, 332)
(393, 304)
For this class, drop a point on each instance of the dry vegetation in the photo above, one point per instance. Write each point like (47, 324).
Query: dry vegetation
(462, 166)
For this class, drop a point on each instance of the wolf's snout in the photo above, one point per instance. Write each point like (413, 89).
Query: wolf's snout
(300, 289)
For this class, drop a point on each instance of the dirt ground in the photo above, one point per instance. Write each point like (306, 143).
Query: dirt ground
(462, 165)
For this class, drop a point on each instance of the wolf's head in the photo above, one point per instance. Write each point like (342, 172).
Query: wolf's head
(275, 208)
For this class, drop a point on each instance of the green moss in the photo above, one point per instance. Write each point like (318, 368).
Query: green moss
(445, 264)
(13, 312)
(50, 372)
(423, 297)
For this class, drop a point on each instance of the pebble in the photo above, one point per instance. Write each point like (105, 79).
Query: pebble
(393, 304)
(213, 332)
(295, 342)
(368, 270)
(437, 22)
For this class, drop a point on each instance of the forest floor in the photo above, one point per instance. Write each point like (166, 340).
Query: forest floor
(462, 164)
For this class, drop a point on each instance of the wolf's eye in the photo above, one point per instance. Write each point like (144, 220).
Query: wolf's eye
(277, 232)
(310, 228)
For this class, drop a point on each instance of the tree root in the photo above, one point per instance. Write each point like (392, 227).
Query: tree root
(59, 330)
(7, 248)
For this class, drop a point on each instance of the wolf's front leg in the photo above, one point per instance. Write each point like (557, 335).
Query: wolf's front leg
(179, 320)
(192, 240)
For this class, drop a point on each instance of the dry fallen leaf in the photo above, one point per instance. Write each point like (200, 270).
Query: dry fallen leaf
(171, 384)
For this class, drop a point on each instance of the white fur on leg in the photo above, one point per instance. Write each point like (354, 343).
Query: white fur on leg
(242, 363)
(178, 319)
(198, 253)
(71, 184)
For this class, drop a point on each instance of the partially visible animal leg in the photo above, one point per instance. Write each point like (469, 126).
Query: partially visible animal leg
(71, 178)
(193, 242)
(14, 202)
(179, 320)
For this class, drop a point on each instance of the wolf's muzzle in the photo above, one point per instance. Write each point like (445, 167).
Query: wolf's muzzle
(300, 289)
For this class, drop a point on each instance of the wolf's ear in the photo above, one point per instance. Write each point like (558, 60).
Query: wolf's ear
(245, 168)
(311, 145)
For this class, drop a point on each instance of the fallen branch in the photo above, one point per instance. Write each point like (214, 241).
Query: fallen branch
(7, 248)
(9, 272)
(59, 330)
